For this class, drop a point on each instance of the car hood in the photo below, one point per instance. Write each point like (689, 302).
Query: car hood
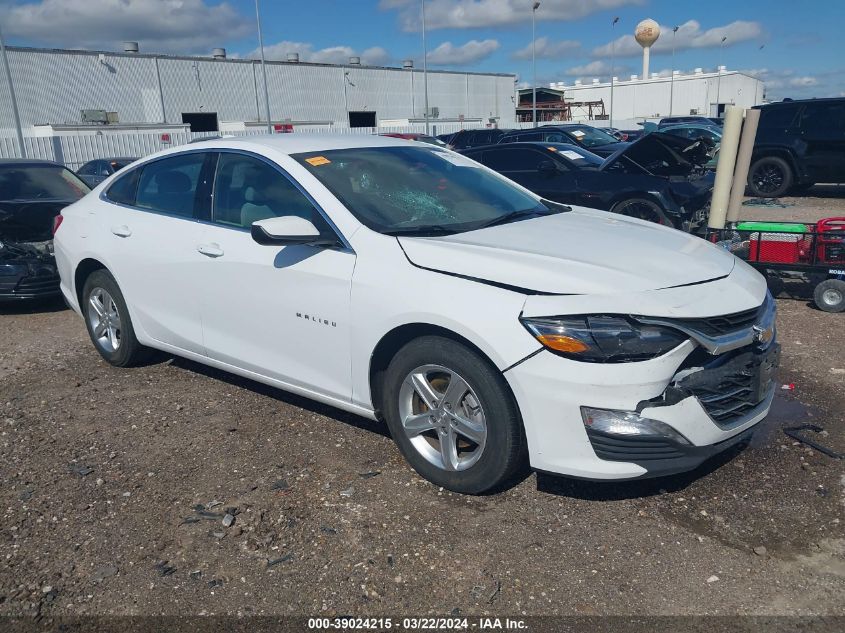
(29, 220)
(663, 155)
(582, 251)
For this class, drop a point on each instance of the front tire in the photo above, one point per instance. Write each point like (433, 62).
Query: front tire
(108, 322)
(770, 177)
(830, 295)
(453, 416)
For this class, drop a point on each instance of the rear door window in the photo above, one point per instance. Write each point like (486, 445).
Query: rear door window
(169, 185)
(507, 160)
(824, 118)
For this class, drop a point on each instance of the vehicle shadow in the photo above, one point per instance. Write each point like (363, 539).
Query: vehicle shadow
(633, 489)
(33, 306)
(280, 396)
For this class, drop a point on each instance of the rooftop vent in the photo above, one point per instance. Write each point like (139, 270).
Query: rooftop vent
(408, 63)
(354, 61)
(595, 80)
(634, 77)
(293, 57)
(130, 47)
(219, 53)
(699, 71)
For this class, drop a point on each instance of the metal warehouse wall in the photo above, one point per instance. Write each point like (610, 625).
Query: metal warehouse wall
(52, 86)
(650, 99)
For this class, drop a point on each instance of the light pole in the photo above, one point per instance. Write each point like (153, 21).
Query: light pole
(612, 63)
(719, 77)
(263, 67)
(14, 100)
(425, 64)
(534, 62)
(672, 70)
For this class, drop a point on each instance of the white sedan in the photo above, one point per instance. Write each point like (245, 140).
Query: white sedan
(487, 327)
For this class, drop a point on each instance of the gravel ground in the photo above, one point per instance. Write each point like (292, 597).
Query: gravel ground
(118, 483)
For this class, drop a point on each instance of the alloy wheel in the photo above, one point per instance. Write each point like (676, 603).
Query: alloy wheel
(104, 320)
(442, 417)
(768, 178)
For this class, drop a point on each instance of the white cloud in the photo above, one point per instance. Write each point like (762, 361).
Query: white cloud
(375, 56)
(468, 14)
(689, 35)
(473, 51)
(185, 26)
(595, 69)
(549, 49)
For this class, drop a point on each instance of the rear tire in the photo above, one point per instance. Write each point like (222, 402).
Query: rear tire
(108, 322)
(453, 416)
(830, 295)
(770, 177)
(643, 209)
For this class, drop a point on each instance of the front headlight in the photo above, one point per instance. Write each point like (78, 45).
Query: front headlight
(603, 339)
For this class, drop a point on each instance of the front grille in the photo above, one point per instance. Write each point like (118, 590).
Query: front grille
(729, 388)
(617, 448)
(36, 285)
(721, 325)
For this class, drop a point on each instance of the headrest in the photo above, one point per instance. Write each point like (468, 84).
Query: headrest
(251, 195)
(173, 182)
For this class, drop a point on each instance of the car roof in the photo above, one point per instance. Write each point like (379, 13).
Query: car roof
(6, 162)
(298, 142)
(794, 102)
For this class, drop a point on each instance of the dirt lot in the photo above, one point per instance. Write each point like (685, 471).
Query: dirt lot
(116, 483)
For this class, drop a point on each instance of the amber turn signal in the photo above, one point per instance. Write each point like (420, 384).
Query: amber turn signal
(561, 343)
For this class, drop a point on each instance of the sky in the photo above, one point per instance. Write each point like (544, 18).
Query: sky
(797, 48)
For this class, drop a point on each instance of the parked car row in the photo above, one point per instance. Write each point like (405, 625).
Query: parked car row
(656, 178)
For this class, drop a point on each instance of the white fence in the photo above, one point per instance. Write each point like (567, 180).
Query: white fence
(75, 150)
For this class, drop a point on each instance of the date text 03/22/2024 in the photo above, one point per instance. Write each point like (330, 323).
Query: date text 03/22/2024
(417, 624)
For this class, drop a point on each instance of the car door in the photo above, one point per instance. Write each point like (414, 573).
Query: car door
(535, 170)
(149, 234)
(278, 311)
(822, 127)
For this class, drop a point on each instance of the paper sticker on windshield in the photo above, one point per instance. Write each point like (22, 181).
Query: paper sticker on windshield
(457, 159)
(577, 133)
(316, 161)
(572, 155)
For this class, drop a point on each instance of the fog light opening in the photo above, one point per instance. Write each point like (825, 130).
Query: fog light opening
(628, 423)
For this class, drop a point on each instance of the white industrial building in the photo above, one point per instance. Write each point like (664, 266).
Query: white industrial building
(75, 92)
(697, 93)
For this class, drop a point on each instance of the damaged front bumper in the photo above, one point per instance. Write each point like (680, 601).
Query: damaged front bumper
(27, 272)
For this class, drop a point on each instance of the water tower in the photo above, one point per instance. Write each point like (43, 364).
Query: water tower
(646, 34)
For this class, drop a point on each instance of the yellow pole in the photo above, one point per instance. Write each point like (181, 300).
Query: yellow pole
(743, 162)
(725, 167)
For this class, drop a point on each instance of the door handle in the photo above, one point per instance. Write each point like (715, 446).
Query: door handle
(121, 231)
(212, 250)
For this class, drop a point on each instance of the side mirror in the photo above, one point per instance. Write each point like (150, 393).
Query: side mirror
(547, 168)
(288, 230)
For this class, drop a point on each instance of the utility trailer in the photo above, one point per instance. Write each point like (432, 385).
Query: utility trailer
(812, 252)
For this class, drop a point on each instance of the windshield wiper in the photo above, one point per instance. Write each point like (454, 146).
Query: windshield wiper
(432, 229)
(515, 216)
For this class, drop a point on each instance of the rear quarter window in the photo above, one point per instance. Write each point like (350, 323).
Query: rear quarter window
(777, 117)
(125, 188)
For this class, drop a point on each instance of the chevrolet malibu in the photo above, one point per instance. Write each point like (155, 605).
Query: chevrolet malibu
(489, 328)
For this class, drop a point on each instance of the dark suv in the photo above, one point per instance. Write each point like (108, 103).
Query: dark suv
(475, 138)
(799, 143)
